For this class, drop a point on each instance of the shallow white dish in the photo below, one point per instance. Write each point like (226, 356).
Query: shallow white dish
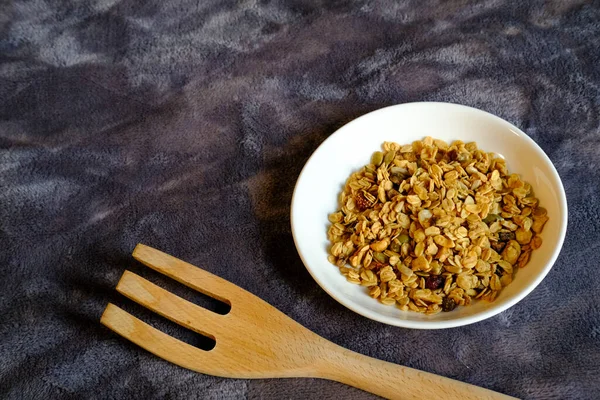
(350, 148)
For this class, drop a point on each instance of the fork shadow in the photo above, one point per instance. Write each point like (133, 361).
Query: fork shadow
(99, 289)
(272, 210)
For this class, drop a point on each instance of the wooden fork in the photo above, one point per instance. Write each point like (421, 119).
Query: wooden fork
(255, 340)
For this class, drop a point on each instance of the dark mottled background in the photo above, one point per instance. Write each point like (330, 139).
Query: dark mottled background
(184, 124)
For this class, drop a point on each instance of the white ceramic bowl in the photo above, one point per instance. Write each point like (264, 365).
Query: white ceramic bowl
(350, 148)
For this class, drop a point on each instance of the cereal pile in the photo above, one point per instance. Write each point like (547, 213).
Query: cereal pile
(429, 226)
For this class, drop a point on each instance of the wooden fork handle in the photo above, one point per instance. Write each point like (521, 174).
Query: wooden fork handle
(393, 381)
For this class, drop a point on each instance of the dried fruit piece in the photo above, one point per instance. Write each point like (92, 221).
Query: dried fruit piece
(498, 246)
(361, 202)
(506, 236)
(434, 282)
(448, 304)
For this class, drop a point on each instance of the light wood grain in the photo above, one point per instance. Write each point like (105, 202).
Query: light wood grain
(255, 340)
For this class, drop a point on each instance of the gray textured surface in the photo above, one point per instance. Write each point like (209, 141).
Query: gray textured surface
(184, 124)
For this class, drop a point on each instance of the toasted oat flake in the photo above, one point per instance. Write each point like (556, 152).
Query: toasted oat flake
(430, 209)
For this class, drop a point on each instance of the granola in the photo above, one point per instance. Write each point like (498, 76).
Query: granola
(430, 226)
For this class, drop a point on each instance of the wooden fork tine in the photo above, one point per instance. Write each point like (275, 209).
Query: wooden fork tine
(188, 274)
(157, 342)
(170, 306)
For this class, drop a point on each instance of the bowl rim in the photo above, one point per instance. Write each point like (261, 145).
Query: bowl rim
(466, 320)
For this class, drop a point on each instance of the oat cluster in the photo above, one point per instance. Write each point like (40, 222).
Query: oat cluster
(429, 226)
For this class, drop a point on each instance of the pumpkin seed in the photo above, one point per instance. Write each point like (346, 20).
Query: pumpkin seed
(393, 193)
(403, 238)
(389, 157)
(382, 258)
(491, 218)
(377, 158)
